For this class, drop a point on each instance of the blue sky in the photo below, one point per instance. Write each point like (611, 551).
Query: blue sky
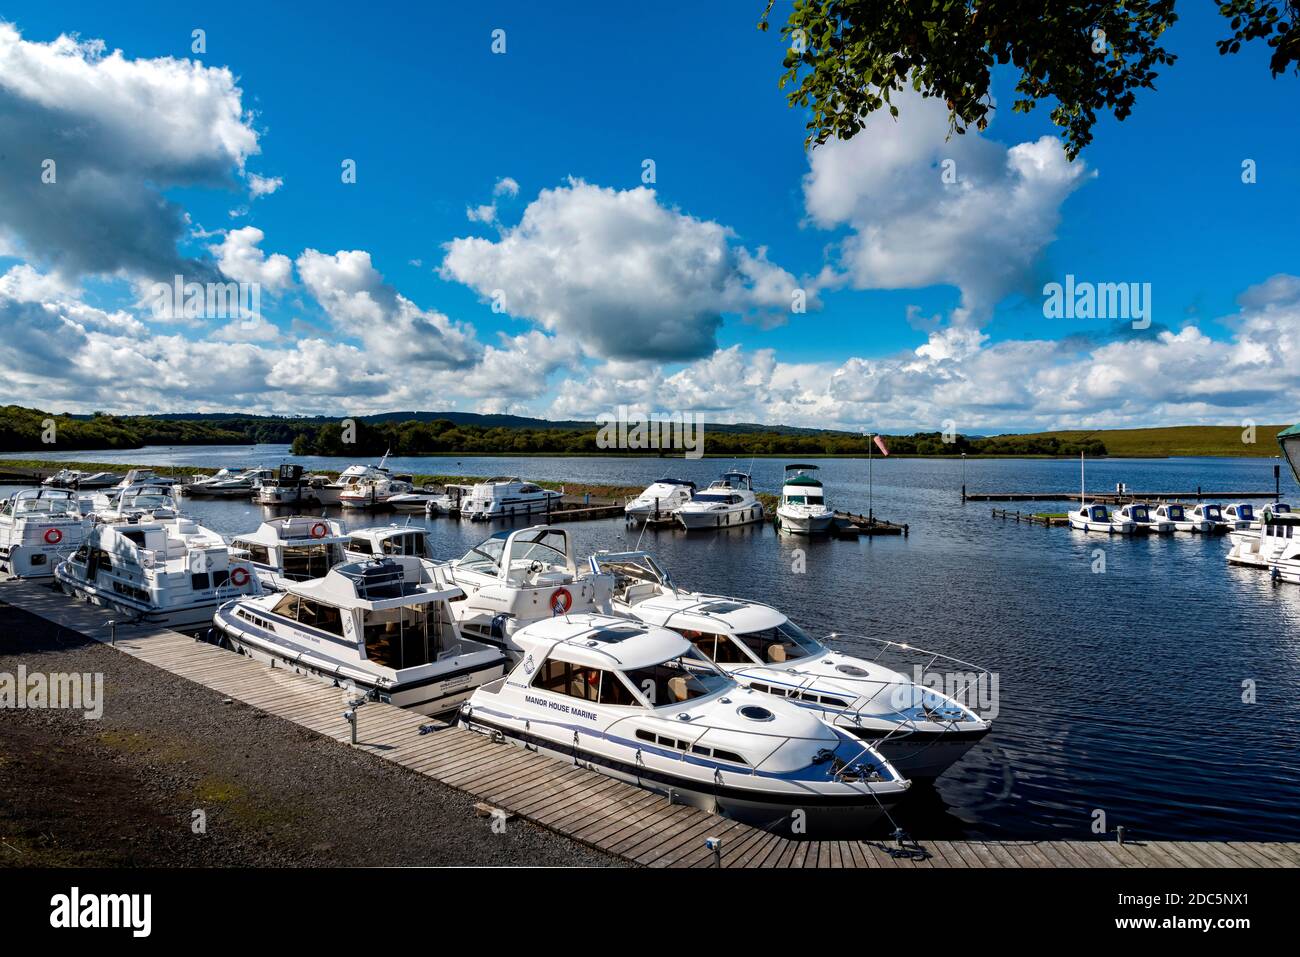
(435, 120)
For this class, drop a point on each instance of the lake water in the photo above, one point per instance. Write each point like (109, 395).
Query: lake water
(1120, 691)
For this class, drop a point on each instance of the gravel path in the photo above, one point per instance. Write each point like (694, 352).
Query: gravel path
(122, 790)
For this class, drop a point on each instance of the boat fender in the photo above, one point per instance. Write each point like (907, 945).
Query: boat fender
(319, 530)
(239, 577)
(53, 536)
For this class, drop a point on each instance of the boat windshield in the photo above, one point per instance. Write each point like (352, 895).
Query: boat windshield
(804, 499)
(710, 497)
(684, 678)
(1176, 512)
(786, 642)
(485, 557)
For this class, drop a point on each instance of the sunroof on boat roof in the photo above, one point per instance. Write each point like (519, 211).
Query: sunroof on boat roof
(615, 633)
(721, 607)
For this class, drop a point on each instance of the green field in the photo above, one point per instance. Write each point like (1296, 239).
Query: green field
(1178, 440)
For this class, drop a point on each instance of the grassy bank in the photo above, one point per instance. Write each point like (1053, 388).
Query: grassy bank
(1182, 440)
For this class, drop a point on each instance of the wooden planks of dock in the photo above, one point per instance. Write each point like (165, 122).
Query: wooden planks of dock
(630, 823)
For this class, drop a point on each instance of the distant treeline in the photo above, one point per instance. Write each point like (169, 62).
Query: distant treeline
(443, 436)
(27, 430)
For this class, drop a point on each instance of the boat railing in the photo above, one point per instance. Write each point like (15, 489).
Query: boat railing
(932, 671)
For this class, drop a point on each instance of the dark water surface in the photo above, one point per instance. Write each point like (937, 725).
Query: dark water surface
(1119, 691)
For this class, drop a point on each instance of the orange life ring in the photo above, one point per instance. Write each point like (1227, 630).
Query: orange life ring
(319, 530)
(239, 577)
(53, 536)
(561, 601)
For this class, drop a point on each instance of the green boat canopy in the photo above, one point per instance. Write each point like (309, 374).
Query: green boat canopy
(1289, 441)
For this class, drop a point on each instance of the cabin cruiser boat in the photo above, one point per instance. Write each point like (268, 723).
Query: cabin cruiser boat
(77, 479)
(147, 502)
(727, 502)
(448, 503)
(660, 500)
(641, 704)
(1181, 518)
(920, 731)
(505, 497)
(803, 502)
(1097, 518)
(376, 491)
(171, 573)
(239, 485)
(36, 526)
(290, 486)
(1143, 521)
(143, 477)
(387, 540)
(285, 550)
(331, 492)
(381, 627)
(1270, 544)
(1209, 514)
(414, 501)
(515, 577)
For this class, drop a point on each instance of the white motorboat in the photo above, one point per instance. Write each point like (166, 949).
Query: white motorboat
(1267, 545)
(172, 573)
(331, 492)
(145, 502)
(1097, 518)
(726, 503)
(414, 501)
(448, 503)
(227, 485)
(1209, 514)
(803, 509)
(77, 479)
(640, 704)
(290, 486)
(506, 497)
(286, 550)
(143, 477)
(381, 627)
(516, 577)
(1181, 519)
(1240, 516)
(37, 526)
(376, 491)
(388, 540)
(919, 730)
(660, 501)
(1143, 521)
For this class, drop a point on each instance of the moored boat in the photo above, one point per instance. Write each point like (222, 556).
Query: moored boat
(382, 627)
(290, 549)
(37, 526)
(641, 704)
(803, 509)
(728, 502)
(660, 501)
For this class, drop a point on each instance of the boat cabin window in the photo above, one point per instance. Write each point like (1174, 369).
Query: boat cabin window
(303, 562)
(312, 614)
(1245, 513)
(133, 535)
(1099, 513)
(409, 636)
(408, 543)
(719, 649)
(678, 679)
(1176, 512)
(786, 642)
(715, 497)
(548, 547)
(256, 553)
(580, 681)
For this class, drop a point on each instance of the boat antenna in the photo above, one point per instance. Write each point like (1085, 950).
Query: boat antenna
(1082, 501)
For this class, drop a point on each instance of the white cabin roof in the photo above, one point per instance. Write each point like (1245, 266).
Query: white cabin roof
(390, 582)
(711, 613)
(296, 529)
(602, 641)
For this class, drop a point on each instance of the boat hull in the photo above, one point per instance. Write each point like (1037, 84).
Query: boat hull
(184, 617)
(804, 815)
(804, 524)
(705, 521)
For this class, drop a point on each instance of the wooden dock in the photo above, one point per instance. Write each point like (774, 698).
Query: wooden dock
(1047, 521)
(619, 819)
(849, 525)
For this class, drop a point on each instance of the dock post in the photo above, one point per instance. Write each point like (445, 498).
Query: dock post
(112, 632)
(1119, 833)
(963, 493)
(714, 844)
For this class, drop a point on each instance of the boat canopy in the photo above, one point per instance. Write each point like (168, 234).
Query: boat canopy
(801, 468)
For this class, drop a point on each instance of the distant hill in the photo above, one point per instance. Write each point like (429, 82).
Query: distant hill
(1177, 440)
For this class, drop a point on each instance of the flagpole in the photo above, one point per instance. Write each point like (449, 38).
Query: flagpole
(871, 485)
